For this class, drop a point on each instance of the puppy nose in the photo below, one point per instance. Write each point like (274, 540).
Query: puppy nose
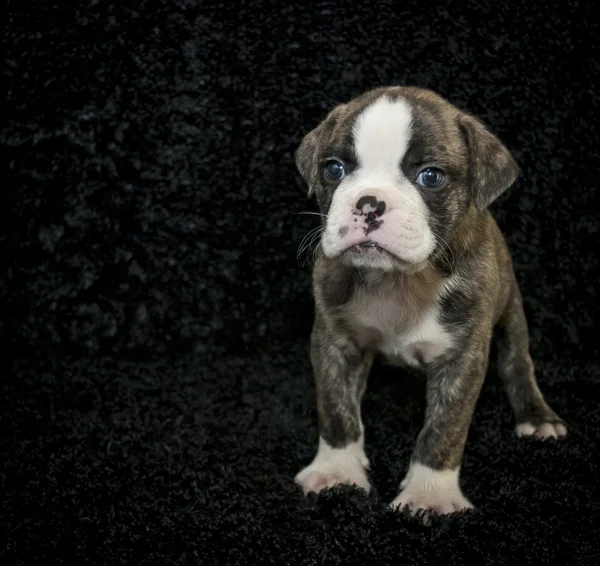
(370, 206)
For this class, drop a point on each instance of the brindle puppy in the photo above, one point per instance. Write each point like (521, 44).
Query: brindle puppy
(413, 267)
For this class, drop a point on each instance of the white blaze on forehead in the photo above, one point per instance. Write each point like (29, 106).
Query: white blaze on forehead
(382, 134)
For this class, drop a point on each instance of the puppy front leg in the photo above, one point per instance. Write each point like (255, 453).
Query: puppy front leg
(453, 387)
(341, 372)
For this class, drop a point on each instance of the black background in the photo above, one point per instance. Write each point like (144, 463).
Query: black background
(157, 398)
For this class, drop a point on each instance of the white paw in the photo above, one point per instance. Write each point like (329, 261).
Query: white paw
(433, 491)
(335, 466)
(543, 430)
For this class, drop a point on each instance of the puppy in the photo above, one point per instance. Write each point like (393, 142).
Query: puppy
(413, 267)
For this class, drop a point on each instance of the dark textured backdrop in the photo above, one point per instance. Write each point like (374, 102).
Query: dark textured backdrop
(156, 391)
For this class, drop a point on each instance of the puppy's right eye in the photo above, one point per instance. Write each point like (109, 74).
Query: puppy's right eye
(334, 171)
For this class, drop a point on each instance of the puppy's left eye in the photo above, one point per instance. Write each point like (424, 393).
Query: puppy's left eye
(334, 171)
(431, 178)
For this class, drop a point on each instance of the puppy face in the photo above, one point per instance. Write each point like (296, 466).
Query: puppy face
(395, 171)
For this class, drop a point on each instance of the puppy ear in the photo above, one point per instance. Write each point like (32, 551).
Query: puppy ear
(306, 158)
(492, 168)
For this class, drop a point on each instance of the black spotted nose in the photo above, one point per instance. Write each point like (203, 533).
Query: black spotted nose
(369, 206)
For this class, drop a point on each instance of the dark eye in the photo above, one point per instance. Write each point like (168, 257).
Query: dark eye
(334, 171)
(431, 178)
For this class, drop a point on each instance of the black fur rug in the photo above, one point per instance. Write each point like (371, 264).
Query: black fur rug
(157, 397)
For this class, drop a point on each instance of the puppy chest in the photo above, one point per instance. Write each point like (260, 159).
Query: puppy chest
(419, 345)
(405, 332)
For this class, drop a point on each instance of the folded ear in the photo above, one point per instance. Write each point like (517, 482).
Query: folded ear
(307, 155)
(492, 168)
(306, 158)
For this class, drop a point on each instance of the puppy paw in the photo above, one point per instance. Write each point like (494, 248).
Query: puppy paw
(431, 504)
(541, 430)
(315, 480)
(335, 466)
(432, 491)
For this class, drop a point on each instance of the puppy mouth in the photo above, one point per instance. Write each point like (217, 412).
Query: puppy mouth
(368, 247)
(373, 251)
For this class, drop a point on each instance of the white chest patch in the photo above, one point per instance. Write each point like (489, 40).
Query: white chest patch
(420, 344)
(398, 333)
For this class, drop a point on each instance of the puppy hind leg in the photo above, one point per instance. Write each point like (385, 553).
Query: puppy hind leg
(533, 415)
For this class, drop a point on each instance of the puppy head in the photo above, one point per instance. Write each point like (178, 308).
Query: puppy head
(394, 171)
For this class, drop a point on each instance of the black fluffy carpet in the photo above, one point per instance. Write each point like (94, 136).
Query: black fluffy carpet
(157, 396)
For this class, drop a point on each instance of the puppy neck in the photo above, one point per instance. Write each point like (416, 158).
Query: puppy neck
(421, 285)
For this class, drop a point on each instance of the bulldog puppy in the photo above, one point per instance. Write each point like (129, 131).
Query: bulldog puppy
(412, 266)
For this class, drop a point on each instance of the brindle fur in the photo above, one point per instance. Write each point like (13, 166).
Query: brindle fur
(472, 253)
